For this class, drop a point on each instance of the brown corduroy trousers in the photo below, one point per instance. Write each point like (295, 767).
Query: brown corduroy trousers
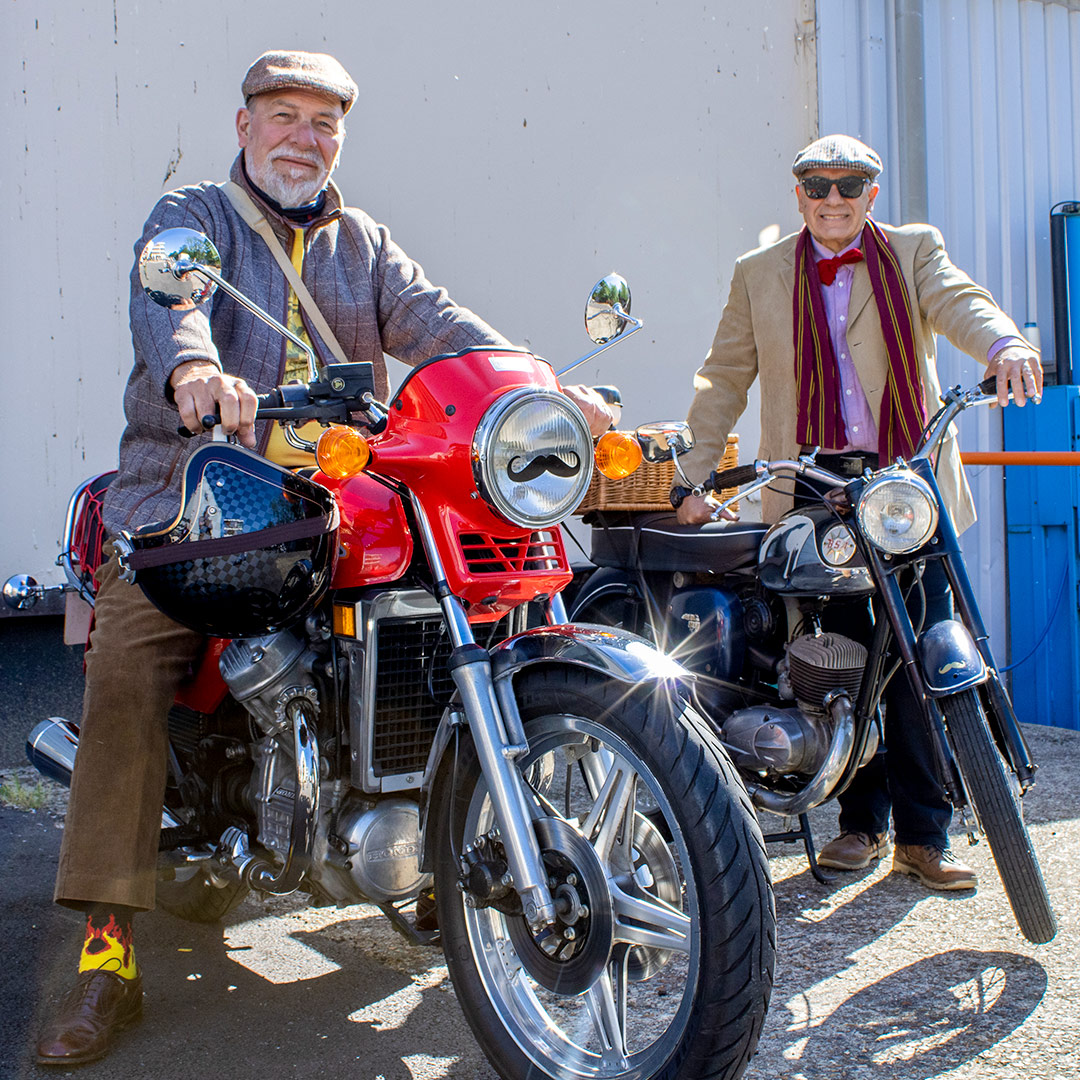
(136, 662)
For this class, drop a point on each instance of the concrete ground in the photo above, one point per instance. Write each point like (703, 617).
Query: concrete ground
(876, 977)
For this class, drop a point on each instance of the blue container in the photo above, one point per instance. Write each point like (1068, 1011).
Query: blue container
(1044, 554)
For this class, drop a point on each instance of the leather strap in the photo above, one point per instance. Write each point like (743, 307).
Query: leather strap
(189, 550)
(256, 219)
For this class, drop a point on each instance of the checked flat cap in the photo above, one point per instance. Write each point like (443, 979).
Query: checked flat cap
(318, 72)
(837, 152)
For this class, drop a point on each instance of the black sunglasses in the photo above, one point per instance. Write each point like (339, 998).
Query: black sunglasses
(818, 187)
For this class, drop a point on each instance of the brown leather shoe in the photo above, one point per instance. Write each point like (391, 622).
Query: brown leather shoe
(854, 850)
(100, 1004)
(935, 868)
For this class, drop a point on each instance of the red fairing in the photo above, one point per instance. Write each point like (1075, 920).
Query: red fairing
(206, 689)
(374, 542)
(491, 564)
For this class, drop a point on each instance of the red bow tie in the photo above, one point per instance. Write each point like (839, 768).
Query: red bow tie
(827, 267)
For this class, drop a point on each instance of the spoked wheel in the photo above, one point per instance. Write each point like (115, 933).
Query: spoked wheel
(660, 961)
(993, 791)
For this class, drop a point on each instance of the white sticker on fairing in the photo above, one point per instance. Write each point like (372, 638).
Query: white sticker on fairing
(511, 363)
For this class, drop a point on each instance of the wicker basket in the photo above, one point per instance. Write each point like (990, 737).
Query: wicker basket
(648, 487)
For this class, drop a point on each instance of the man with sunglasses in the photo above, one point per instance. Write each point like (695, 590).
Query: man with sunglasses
(839, 321)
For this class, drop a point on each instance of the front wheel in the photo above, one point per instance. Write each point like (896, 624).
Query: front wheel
(660, 963)
(993, 796)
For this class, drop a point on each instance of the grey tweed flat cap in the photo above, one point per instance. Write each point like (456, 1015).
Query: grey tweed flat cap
(837, 152)
(318, 72)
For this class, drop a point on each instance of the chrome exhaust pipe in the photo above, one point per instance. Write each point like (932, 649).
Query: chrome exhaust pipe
(51, 748)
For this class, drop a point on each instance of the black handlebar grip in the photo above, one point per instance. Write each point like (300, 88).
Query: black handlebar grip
(609, 394)
(735, 477)
(209, 422)
(988, 386)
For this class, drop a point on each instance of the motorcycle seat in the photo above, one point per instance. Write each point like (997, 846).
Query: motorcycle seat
(656, 541)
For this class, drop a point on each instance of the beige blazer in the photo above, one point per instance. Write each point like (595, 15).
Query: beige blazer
(754, 340)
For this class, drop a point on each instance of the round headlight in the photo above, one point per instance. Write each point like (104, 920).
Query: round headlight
(533, 457)
(898, 513)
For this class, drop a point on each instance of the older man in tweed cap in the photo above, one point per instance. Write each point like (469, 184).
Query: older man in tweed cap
(831, 377)
(375, 300)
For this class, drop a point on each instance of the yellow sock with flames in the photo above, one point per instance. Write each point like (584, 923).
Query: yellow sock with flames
(110, 942)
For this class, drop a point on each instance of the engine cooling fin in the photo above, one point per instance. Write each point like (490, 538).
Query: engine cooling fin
(819, 664)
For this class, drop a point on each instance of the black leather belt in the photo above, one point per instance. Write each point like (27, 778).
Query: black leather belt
(850, 464)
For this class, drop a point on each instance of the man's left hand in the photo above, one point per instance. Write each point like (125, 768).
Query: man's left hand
(1017, 368)
(597, 414)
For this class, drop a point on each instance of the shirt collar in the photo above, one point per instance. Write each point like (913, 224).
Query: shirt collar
(824, 253)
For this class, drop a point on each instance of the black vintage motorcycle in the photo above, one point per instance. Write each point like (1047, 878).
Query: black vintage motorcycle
(375, 717)
(798, 709)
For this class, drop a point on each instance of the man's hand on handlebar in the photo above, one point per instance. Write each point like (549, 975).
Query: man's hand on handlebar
(697, 510)
(1017, 368)
(598, 414)
(200, 389)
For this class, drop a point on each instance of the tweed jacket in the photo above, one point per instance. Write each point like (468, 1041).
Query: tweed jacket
(754, 340)
(373, 296)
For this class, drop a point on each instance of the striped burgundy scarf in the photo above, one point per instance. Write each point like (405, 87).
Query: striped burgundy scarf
(820, 419)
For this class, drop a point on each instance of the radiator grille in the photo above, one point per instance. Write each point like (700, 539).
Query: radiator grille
(413, 687)
(540, 551)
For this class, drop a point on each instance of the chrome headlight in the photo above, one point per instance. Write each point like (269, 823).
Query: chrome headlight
(533, 457)
(898, 512)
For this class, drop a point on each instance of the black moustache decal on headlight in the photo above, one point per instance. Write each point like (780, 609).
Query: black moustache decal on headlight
(543, 463)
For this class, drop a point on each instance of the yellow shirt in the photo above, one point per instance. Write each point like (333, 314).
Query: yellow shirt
(296, 370)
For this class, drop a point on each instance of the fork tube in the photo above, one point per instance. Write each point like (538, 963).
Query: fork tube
(470, 667)
(904, 634)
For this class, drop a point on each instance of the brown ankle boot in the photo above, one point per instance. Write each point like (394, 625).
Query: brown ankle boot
(854, 850)
(935, 868)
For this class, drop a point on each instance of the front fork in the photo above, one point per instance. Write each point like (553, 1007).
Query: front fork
(1003, 720)
(499, 737)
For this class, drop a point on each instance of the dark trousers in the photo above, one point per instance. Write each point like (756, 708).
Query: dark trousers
(901, 777)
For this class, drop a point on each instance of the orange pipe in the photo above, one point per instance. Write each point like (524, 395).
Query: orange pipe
(1021, 457)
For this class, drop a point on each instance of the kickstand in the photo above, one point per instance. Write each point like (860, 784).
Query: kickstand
(804, 834)
(408, 929)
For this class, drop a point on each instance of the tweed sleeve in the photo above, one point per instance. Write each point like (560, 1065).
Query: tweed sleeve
(954, 305)
(723, 381)
(416, 318)
(163, 339)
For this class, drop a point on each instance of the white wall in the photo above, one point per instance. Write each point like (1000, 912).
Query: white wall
(519, 152)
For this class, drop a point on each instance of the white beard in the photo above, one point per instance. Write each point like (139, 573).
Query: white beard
(289, 191)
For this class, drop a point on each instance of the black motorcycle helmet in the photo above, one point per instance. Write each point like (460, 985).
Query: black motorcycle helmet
(251, 551)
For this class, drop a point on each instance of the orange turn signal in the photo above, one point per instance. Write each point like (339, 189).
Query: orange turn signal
(342, 452)
(617, 454)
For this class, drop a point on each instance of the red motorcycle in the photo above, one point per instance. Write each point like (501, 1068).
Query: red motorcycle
(375, 719)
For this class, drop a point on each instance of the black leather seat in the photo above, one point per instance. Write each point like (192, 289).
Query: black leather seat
(656, 541)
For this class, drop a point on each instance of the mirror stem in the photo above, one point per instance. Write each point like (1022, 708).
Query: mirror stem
(198, 268)
(635, 326)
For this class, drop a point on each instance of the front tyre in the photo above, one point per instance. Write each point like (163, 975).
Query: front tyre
(660, 964)
(987, 781)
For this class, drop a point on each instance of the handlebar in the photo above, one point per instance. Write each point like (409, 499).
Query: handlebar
(339, 392)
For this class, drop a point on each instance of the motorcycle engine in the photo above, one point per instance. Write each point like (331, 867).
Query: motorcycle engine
(782, 742)
(374, 852)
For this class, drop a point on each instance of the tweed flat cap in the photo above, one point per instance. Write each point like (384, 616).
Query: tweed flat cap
(319, 72)
(837, 152)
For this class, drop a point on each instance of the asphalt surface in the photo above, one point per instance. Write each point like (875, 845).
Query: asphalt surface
(876, 976)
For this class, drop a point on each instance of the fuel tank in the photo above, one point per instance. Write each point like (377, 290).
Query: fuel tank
(811, 552)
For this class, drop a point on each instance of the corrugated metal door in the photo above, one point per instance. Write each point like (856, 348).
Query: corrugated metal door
(1002, 99)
